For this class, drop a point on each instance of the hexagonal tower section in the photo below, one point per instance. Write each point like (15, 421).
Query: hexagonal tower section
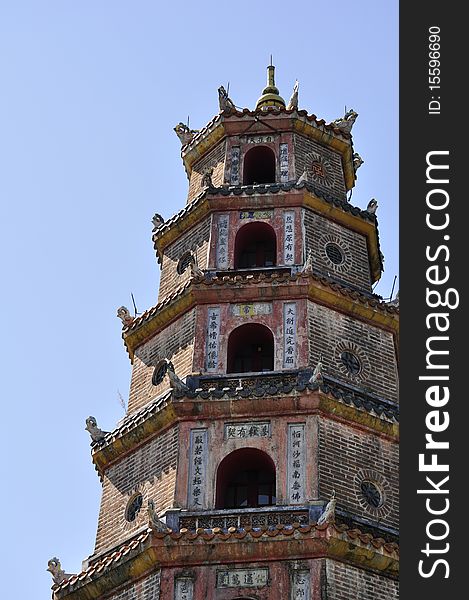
(259, 456)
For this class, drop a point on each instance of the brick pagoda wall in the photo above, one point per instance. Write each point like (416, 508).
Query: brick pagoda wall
(347, 457)
(331, 332)
(356, 267)
(149, 470)
(176, 343)
(306, 151)
(345, 582)
(196, 240)
(145, 589)
(216, 159)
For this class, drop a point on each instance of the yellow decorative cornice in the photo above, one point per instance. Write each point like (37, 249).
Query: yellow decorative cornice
(128, 441)
(339, 411)
(332, 298)
(206, 142)
(158, 550)
(302, 286)
(159, 320)
(306, 402)
(283, 119)
(291, 198)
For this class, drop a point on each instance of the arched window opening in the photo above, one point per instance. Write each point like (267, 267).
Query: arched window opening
(259, 166)
(255, 246)
(246, 479)
(250, 349)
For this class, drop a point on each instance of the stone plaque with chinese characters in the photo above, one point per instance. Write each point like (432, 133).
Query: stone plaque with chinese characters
(258, 139)
(251, 310)
(289, 237)
(296, 458)
(222, 241)
(256, 214)
(283, 163)
(247, 430)
(289, 337)
(213, 335)
(234, 174)
(198, 455)
(183, 589)
(300, 589)
(243, 578)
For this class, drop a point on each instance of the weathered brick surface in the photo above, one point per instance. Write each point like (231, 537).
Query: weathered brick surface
(277, 588)
(216, 159)
(356, 268)
(306, 151)
(331, 333)
(195, 240)
(175, 343)
(145, 589)
(347, 457)
(344, 582)
(150, 470)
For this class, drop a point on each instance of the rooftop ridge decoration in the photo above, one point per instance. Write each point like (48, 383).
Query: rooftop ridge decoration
(336, 541)
(269, 110)
(267, 188)
(371, 300)
(385, 410)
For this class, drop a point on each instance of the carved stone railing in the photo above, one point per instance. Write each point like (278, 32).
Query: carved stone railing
(241, 518)
(254, 272)
(251, 381)
(271, 516)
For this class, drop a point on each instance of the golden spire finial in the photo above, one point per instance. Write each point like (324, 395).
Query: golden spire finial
(270, 94)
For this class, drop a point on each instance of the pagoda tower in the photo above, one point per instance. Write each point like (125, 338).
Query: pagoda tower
(258, 459)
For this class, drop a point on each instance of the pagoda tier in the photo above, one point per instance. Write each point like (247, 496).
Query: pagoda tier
(259, 455)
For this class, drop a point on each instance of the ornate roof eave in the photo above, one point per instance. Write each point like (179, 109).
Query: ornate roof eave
(366, 412)
(235, 122)
(152, 550)
(226, 289)
(242, 197)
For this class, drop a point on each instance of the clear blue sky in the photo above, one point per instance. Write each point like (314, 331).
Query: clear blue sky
(91, 93)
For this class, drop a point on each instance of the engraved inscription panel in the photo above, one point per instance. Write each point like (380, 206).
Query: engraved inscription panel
(243, 578)
(296, 458)
(198, 456)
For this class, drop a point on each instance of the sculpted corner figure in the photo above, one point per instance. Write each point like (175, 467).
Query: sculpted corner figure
(97, 434)
(207, 178)
(157, 220)
(316, 377)
(308, 266)
(293, 102)
(55, 569)
(346, 122)
(124, 315)
(224, 102)
(154, 521)
(184, 133)
(357, 161)
(372, 206)
(328, 516)
(303, 177)
(196, 271)
(174, 381)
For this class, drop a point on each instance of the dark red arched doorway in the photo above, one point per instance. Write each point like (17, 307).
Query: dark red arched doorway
(259, 166)
(250, 349)
(246, 479)
(255, 246)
